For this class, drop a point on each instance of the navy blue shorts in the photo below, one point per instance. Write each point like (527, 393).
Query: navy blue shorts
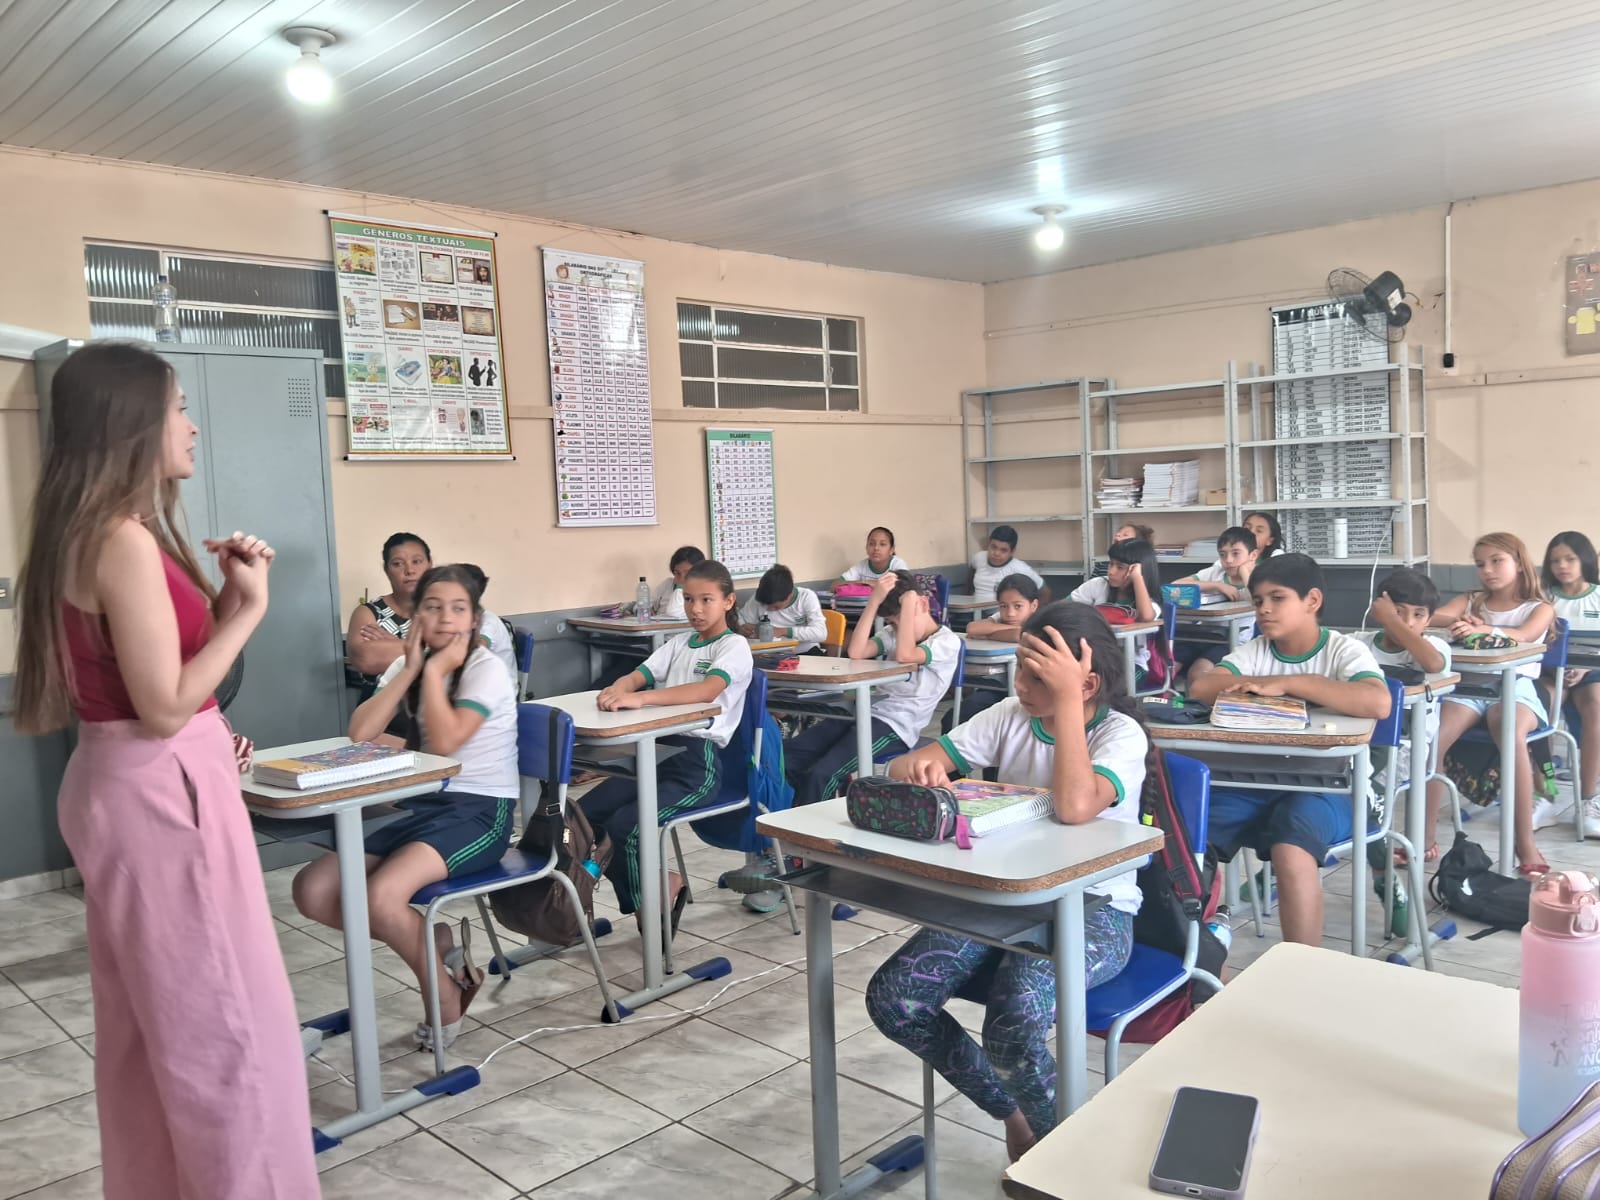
(1313, 821)
(470, 832)
(1587, 679)
(1187, 653)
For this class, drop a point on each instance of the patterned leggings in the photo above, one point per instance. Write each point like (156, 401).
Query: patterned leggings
(1014, 1069)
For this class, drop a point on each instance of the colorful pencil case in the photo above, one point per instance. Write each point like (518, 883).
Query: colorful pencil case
(1184, 595)
(853, 590)
(907, 810)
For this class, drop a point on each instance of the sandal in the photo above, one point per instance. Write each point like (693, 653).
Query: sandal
(467, 976)
(1533, 870)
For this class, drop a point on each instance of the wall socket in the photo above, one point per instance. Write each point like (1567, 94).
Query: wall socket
(5, 593)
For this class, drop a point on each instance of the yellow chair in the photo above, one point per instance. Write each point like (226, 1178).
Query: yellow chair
(833, 644)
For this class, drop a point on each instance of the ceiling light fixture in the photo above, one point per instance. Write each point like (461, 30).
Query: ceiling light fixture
(1050, 236)
(308, 80)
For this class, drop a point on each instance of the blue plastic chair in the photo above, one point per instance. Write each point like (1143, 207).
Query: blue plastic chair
(1555, 660)
(957, 683)
(544, 754)
(944, 597)
(522, 646)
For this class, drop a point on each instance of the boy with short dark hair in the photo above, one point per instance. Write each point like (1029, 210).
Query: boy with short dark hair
(991, 565)
(795, 612)
(1226, 579)
(1293, 656)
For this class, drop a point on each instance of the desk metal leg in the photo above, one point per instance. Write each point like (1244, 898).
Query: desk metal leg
(824, 1064)
(1361, 781)
(863, 729)
(1072, 1039)
(1236, 633)
(1130, 659)
(1508, 773)
(1011, 677)
(1418, 829)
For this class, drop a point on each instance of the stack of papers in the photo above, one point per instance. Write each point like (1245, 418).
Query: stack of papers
(1117, 495)
(1201, 548)
(1240, 710)
(1171, 485)
(1170, 551)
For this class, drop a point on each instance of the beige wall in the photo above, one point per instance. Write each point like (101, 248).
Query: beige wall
(1513, 428)
(835, 473)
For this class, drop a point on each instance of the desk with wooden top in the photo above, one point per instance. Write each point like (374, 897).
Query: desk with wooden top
(1506, 662)
(623, 634)
(345, 804)
(1023, 885)
(857, 676)
(1237, 615)
(1373, 1082)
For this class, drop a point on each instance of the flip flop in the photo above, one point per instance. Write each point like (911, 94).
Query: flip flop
(1533, 870)
(467, 976)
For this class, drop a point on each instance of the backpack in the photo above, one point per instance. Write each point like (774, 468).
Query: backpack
(933, 590)
(1474, 767)
(1466, 884)
(1176, 889)
(763, 781)
(542, 910)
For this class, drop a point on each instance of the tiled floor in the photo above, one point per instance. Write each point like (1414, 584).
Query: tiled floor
(709, 1102)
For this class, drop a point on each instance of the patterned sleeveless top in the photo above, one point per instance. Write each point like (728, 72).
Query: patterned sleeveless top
(388, 620)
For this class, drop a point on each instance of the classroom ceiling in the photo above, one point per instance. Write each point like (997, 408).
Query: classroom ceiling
(902, 135)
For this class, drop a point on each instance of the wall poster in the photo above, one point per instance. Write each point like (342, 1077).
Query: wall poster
(600, 390)
(742, 493)
(1583, 302)
(420, 325)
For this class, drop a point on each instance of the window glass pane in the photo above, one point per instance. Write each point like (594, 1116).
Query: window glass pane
(120, 272)
(259, 329)
(768, 329)
(844, 400)
(699, 393)
(842, 334)
(694, 322)
(736, 363)
(767, 395)
(333, 380)
(118, 320)
(694, 358)
(844, 368)
(262, 285)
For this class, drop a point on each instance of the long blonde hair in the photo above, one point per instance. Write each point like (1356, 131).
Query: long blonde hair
(1527, 572)
(107, 424)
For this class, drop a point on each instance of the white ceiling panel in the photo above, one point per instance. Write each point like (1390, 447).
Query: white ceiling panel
(903, 135)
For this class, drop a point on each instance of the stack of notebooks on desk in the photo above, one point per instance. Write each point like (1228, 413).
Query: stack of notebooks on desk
(991, 806)
(332, 768)
(1244, 711)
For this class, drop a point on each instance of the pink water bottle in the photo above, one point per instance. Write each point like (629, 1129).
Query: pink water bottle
(1558, 1055)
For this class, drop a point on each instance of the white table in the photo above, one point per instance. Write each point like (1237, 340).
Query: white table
(1129, 636)
(1506, 662)
(1236, 615)
(1331, 736)
(1373, 1082)
(622, 633)
(1021, 884)
(986, 653)
(840, 675)
(640, 728)
(345, 804)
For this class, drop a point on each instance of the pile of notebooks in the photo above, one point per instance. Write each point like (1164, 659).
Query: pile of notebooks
(1240, 710)
(1171, 485)
(1117, 494)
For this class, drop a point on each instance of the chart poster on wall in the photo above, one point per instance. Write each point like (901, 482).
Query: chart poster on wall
(742, 491)
(1583, 303)
(600, 390)
(420, 324)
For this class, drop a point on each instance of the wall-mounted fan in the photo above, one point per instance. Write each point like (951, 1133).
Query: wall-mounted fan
(1378, 305)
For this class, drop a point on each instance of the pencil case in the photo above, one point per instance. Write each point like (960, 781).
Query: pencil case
(1562, 1163)
(848, 590)
(907, 810)
(1183, 595)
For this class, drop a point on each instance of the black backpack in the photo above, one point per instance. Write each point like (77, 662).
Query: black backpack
(1466, 884)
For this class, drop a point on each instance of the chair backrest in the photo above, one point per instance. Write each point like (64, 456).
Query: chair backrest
(744, 747)
(1169, 621)
(545, 738)
(961, 667)
(1555, 653)
(522, 644)
(943, 586)
(837, 624)
(1191, 792)
(1387, 731)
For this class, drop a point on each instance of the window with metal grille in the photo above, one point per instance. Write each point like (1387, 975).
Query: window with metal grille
(748, 358)
(225, 299)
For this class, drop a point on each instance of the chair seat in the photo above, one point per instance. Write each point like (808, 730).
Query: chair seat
(1149, 972)
(884, 758)
(513, 864)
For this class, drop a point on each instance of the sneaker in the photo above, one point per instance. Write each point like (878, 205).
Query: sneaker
(769, 901)
(755, 876)
(1544, 813)
(1591, 817)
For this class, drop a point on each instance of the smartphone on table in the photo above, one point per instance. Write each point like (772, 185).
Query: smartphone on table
(1205, 1147)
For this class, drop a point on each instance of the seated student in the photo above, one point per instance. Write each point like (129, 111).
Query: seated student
(1227, 578)
(999, 560)
(1125, 533)
(457, 702)
(795, 612)
(1133, 582)
(1072, 728)
(711, 664)
(1293, 656)
(1571, 578)
(819, 760)
(1269, 534)
(1509, 603)
(880, 559)
(1017, 599)
(666, 603)
(494, 631)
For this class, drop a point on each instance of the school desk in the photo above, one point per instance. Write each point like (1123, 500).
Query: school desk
(984, 657)
(771, 644)
(1373, 1082)
(1236, 615)
(1019, 885)
(640, 728)
(1331, 737)
(1130, 636)
(1506, 662)
(345, 804)
(623, 635)
(838, 676)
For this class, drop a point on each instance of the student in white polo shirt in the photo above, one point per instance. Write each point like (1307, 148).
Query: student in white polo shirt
(795, 612)
(996, 561)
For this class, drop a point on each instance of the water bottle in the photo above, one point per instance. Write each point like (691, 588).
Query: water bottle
(641, 601)
(592, 867)
(764, 629)
(165, 298)
(1558, 1053)
(1221, 926)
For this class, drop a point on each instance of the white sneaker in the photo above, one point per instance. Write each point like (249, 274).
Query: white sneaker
(1544, 813)
(1591, 817)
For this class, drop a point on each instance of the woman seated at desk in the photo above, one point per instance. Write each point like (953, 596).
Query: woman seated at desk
(377, 631)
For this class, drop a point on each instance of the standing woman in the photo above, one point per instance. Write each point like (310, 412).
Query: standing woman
(198, 1065)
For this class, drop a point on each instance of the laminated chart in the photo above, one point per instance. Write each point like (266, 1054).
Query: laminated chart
(420, 328)
(742, 493)
(599, 389)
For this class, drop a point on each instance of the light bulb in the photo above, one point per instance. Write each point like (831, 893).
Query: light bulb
(1050, 236)
(308, 80)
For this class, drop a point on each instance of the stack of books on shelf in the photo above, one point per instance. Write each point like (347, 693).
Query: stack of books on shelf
(1171, 485)
(1117, 495)
(1201, 548)
(1171, 552)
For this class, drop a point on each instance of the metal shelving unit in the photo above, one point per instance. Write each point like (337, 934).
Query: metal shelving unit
(989, 404)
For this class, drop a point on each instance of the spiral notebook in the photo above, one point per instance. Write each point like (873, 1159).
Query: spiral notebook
(987, 807)
(329, 768)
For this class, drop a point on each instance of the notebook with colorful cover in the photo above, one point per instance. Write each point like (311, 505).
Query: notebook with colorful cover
(986, 806)
(1241, 710)
(328, 768)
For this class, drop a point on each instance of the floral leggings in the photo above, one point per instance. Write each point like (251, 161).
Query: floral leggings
(1014, 1069)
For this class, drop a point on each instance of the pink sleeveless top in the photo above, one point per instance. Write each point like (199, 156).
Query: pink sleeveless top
(98, 691)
